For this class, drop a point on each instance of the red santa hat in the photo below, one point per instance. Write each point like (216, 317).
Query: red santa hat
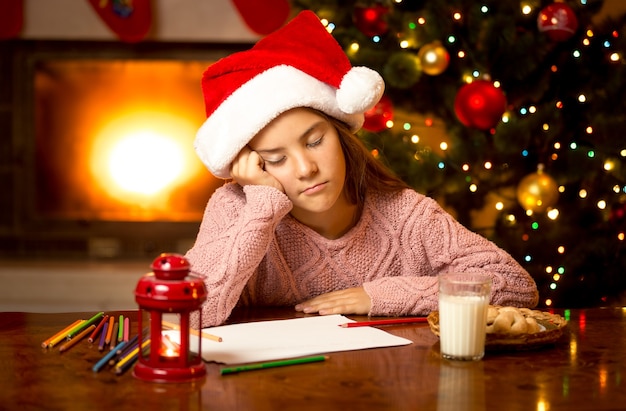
(299, 65)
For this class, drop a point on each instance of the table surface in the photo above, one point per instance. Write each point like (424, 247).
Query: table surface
(584, 370)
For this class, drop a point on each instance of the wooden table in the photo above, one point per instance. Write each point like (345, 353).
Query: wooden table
(585, 370)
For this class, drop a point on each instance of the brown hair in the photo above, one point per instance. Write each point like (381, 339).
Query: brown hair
(363, 171)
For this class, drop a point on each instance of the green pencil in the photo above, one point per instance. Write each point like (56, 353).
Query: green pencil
(272, 364)
(76, 330)
(120, 330)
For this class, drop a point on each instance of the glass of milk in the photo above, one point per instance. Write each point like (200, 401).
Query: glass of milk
(463, 303)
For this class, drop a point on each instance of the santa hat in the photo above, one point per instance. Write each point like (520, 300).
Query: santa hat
(299, 65)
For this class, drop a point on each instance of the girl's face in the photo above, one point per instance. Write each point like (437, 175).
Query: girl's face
(301, 150)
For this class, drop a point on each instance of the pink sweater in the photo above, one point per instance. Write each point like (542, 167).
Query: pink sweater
(250, 251)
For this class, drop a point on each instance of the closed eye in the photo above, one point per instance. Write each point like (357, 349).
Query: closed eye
(274, 162)
(315, 143)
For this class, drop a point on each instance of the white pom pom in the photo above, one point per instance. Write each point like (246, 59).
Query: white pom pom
(360, 90)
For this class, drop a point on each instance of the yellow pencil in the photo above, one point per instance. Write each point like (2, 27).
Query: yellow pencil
(192, 331)
(131, 356)
(63, 333)
(70, 343)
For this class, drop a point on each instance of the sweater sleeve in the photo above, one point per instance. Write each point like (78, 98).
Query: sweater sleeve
(435, 243)
(234, 236)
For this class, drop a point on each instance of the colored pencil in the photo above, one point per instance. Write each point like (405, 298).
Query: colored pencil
(103, 336)
(272, 364)
(107, 340)
(130, 358)
(132, 343)
(79, 328)
(114, 335)
(192, 331)
(126, 328)
(122, 369)
(104, 360)
(60, 338)
(392, 321)
(120, 329)
(61, 334)
(128, 351)
(70, 343)
(99, 327)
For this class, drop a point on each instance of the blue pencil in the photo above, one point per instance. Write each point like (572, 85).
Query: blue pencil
(104, 360)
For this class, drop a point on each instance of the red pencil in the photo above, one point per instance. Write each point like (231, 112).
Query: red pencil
(95, 332)
(391, 321)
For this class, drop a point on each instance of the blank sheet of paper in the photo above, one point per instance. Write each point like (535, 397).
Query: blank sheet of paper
(278, 339)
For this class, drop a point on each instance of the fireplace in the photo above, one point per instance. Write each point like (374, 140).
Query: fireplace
(101, 160)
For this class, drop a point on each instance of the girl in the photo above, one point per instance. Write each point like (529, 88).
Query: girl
(311, 219)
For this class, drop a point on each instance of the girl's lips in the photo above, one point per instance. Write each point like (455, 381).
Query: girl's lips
(314, 189)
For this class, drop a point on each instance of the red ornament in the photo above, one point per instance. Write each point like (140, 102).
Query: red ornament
(377, 117)
(480, 105)
(558, 21)
(371, 21)
(618, 213)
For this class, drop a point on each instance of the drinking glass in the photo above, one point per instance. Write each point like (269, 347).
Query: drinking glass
(463, 304)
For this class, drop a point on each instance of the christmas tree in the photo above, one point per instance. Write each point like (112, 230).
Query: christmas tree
(510, 113)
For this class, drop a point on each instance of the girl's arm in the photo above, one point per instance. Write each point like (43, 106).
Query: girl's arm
(235, 233)
(439, 244)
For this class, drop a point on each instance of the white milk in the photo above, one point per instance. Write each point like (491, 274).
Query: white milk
(462, 326)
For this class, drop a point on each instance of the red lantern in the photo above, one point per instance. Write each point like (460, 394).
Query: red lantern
(371, 21)
(558, 21)
(169, 289)
(377, 117)
(480, 105)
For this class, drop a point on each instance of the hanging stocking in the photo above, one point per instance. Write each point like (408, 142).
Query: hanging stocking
(129, 19)
(263, 17)
(11, 18)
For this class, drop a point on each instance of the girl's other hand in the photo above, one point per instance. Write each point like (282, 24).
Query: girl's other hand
(247, 169)
(349, 301)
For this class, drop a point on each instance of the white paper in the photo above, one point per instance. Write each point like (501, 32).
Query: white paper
(278, 339)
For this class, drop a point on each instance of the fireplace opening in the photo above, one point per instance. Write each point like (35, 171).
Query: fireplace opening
(103, 150)
(114, 140)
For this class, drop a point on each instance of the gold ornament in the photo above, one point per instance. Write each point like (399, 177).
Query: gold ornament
(537, 192)
(434, 58)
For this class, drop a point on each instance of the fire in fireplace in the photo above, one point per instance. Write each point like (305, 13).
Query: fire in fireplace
(114, 140)
(107, 163)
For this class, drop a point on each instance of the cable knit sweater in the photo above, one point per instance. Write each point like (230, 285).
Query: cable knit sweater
(250, 251)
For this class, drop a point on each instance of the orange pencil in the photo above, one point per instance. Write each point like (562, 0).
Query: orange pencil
(63, 332)
(192, 331)
(107, 340)
(95, 332)
(70, 343)
(60, 338)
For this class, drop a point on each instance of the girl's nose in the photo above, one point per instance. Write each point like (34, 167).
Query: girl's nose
(305, 166)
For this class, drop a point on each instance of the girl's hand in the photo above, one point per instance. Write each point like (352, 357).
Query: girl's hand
(248, 169)
(348, 301)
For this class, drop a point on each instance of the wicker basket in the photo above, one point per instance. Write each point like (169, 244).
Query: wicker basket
(553, 326)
